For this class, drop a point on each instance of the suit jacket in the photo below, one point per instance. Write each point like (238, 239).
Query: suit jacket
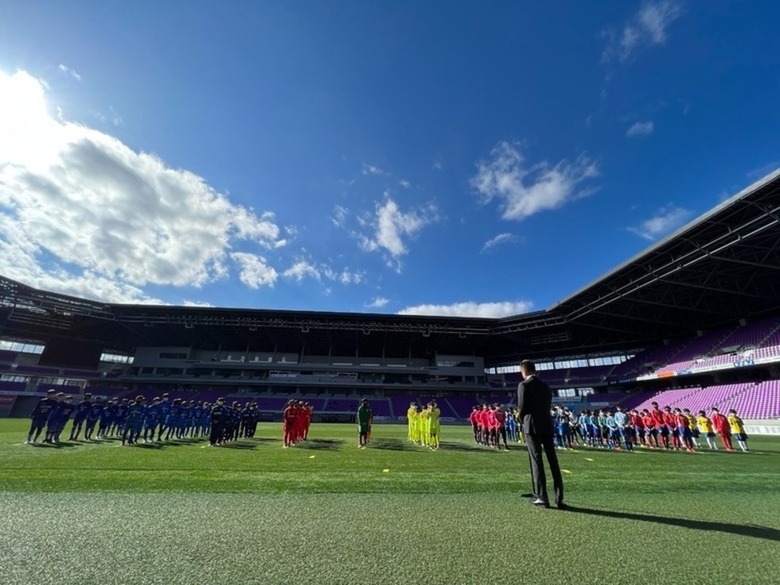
(534, 399)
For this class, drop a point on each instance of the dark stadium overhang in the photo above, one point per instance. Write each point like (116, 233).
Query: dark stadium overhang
(722, 267)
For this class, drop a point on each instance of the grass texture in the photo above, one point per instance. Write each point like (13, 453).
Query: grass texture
(325, 512)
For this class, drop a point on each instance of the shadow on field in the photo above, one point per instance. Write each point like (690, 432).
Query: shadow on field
(60, 445)
(240, 446)
(392, 445)
(468, 447)
(321, 444)
(754, 531)
(161, 445)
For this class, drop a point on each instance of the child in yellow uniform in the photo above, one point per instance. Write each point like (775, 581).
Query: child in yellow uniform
(435, 425)
(695, 433)
(738, 429)
(424, 420)
(705, 428)
(411, 418)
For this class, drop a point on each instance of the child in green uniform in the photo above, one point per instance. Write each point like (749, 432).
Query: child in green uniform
(364, 417)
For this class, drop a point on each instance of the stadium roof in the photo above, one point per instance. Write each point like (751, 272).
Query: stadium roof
(720, 268)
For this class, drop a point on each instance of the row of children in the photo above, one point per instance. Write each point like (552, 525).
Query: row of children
(296, 421)
(492, 425)
(424, 424)
(128, 419)
(655, 428)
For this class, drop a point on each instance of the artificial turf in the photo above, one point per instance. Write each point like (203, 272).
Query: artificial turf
(327, 512)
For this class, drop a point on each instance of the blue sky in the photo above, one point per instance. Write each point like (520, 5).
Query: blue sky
(434, 157)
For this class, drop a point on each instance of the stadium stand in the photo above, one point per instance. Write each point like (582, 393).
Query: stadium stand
(751, 400)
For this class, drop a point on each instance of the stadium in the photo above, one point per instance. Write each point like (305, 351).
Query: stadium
(696, 314)
(693, 321)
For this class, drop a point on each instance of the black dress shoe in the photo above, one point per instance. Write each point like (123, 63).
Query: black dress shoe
(562, 506)
(540, 502)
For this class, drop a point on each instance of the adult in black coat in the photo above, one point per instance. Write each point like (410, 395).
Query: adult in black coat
(534, 399)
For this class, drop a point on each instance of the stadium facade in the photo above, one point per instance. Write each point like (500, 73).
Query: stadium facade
(718, 278)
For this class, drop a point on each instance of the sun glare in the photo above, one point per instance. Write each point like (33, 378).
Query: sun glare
(28, 134)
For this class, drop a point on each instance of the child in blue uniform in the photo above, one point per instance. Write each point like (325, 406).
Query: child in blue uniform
(172, 422)
(107, 418)
(165, 410)
(40, 415)
(134, 421)
(151, 419)
(62, 417)
(54, 417)
(93, 416)
(82, 410)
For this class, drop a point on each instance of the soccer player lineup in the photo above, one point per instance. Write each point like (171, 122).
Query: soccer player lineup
(134, 421)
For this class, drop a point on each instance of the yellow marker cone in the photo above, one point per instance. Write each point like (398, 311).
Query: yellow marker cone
(565, 470)
(385, 471)
(589, 459)
(312, 456)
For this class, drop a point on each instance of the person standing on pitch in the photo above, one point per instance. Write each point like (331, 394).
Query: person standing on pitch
(364, 416)
(534, 399)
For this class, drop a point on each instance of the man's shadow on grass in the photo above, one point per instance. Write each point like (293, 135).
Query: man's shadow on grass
(468, 447)
(762, 532)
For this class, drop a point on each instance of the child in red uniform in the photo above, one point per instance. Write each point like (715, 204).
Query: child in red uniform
(288, 423)
(670, 422)
(651, 429)
(660, 424)
(307, 411)
(639, 426)
(721, 425)
(474, 418)
(684, 430)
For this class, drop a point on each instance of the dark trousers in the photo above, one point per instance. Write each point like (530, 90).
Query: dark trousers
(536, 444)
(217, 432)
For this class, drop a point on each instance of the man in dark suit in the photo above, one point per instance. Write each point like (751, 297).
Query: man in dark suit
(534, 399)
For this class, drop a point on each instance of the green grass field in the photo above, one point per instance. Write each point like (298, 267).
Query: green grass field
(325, 512)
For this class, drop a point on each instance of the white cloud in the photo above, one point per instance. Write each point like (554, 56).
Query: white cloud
(640, 129)
(471, 309)
(648, 27)
(64, 69)
(664, 221)
(197, 304)
(345, 276)
(392, 229)
(438, 165)
(255, 271)
(372, 170)
(301, 270)
(497, 241)
(304, 269)
(525, 190)
(655, 17)
(340, 215)
(79, 209)
(378, 302)
(405, 184)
